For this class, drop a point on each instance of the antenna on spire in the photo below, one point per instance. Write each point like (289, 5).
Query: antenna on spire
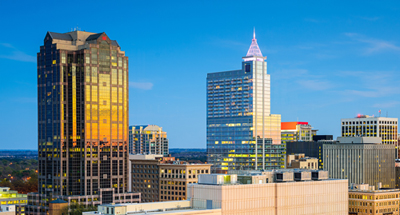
(254, 32)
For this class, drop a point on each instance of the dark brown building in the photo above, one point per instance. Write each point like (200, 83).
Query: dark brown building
(82, 121)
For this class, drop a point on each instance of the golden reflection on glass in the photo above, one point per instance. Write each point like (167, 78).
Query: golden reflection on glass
(120, 113)
(94, 112)
(88, 111)
(94, 93)
(88, 131)
(120, 95)
(74, 103)
(114, 76)
(94, 131)
(114, 94)
(119, 77)
(114, 113)
(87, 78)
(87, 91)
(104, 106)
(120, 131)
(114, 131)
(94, 74)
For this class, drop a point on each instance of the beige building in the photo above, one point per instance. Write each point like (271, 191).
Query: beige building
(283, 192)
(289, 193)
(183, 207)
(300, 161)
(160, 178)
(7, 210)
(175, 178)
(364, 199)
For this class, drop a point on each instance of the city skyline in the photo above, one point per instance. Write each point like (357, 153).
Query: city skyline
(349, 68)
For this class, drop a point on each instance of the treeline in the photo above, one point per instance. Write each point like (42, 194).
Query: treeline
(19, 174)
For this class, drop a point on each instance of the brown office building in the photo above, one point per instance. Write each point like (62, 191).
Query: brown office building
(82, 121)
(145, 176)
(160, 178)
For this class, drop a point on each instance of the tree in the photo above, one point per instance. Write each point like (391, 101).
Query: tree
(77, 209)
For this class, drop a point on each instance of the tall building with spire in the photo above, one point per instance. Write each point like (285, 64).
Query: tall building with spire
(82, 121)
(241, 131)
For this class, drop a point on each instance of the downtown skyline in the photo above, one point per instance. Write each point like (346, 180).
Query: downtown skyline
(349, 68)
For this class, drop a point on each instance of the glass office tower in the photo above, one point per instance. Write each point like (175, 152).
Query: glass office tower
(82, 121)
(241, 131)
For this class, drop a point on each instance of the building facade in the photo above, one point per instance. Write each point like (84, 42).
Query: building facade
(360, 161)
(148, 139)
(300, 161)
(15, 200)
(284, 195)
(261, 193)
(82, 121)
(369, 126)
(145, 176)
(297, 131)
(364, 199)
(311, 149)
(241, 131)
(160, 178)
(175, 178)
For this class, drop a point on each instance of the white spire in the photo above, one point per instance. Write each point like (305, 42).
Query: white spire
(254, 50)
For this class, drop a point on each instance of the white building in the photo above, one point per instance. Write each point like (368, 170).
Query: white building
(369, 126)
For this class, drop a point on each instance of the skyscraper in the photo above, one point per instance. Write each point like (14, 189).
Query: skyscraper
(240, 127)
(148, 139)
(82, 121)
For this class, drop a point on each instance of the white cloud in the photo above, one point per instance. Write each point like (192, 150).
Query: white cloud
(15, 54)
(375, 45)
(371, 84)
(141, 85)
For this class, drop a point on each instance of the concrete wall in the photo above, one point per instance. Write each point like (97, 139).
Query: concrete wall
(327, 197)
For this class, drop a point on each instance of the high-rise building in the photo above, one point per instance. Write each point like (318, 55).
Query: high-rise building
(82, 121)
(241, 131)
(148, 139)
(361, 160)
(297, 131)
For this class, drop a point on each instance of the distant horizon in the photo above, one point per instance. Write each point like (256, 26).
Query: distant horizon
(2, 150)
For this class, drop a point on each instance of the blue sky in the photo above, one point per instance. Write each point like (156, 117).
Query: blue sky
(327, 59)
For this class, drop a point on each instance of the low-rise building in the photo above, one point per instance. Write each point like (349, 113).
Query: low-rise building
(11, 197)
(365, 199)
(252, 192)
(182, 207)
(160, 178)
(300, 161)
(7, 210)
(175, 178)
